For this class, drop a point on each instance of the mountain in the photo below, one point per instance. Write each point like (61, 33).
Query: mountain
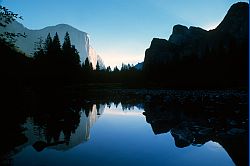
(78, 38)
(218, 55)
(94, 58)
(139, 66)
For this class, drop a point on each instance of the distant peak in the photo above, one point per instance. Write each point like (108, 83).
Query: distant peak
(63, 25)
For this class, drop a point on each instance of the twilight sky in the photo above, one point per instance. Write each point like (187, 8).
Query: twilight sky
(121, 30)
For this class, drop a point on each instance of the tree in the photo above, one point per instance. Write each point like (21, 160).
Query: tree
(108, 69)
(66, 47)
(116, 69)
(39, 49)
(7, 17)
(56, 46)
(86, 63)
(90, 67)
(75, 56)
(69, 51)
(98, 66)
(48, 45)
(67, 43)
(87, 66)
(125, 67)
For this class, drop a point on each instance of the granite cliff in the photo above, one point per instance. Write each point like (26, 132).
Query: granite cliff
(193, 53)
(78, 38)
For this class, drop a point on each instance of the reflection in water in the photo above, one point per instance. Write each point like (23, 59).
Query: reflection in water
(57, 135)
(64, 127)
(191, 123)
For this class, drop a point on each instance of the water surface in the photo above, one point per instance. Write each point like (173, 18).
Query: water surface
(113, 136)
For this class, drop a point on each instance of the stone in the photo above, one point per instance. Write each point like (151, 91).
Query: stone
(236, 131)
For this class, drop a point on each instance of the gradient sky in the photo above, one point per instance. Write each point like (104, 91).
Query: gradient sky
(121, 30)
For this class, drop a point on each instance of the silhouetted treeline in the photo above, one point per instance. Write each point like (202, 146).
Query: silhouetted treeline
(55, 63)
(60, 65)
(127, 74)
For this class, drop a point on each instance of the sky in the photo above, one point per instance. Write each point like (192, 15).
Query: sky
(121, 30)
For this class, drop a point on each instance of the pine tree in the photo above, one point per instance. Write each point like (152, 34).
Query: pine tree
(75, 56)
(48, 45)
(98, 66)
(56, 46)
(66, 47)
(108, 69)
(39, 47)
(87, 66)
(116, 69)
(90, 67)
(67, 43)
(69, 51)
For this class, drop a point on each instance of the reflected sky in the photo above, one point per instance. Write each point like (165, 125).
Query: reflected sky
(120, 137)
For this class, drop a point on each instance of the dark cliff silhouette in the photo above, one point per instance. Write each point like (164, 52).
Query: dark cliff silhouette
(193, 56)
(197, 118)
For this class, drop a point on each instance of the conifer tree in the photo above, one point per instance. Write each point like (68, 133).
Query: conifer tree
(75, 56)
(48, 45)
(108, 69)
(66, 47)
(87, 66)
(56, 46)
(98, 66)
(67, 43)
(39, 47)
(116, 69)
(90, 67)
(69, 51)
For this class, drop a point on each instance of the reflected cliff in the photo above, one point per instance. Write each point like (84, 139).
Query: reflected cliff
(62, 133)
(214, 118)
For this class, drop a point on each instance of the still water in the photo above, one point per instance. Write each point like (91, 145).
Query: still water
(109, 134)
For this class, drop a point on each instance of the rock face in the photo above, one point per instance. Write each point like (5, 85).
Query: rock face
(223, 49)
(236, 22)
(78, 38)
(139, 66)
(179, 35)
(94, 58)
(161, 51)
